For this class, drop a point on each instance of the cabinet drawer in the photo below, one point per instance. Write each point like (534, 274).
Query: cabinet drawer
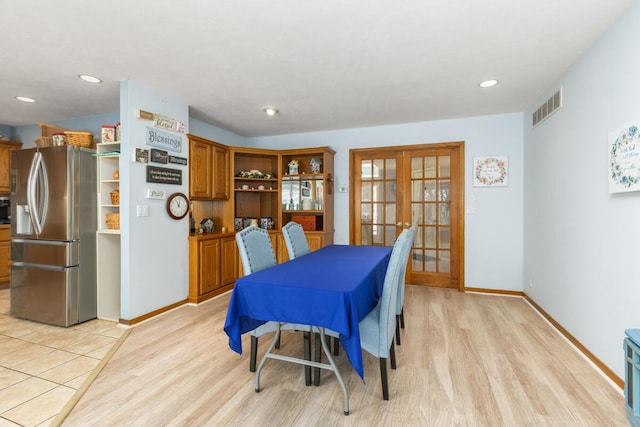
(308, 222)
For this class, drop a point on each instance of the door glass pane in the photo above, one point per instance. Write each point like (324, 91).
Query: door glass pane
(390, 217)
(444, 166)
(429, 260)
(417, 242)
(365, 213)
(416, 167)
(416, 190)
(390, 192)
(444, 239)
(365, 231)
(378, 169)
(390, 235)
(365, 193)
(378, 191)
(390, 171)
(430, 237)
(378, 236)
(430, 214)
(416, 213)
(429, 167)
(444, 263)
(417, 260)
(443, 193)
(429, 191)
(378, 213)
(365, 169)
(443, 219)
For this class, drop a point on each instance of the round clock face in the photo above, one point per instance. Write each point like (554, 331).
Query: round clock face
(177, 206)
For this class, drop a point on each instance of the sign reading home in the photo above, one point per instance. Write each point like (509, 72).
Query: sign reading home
(164, 175)
(164, 140)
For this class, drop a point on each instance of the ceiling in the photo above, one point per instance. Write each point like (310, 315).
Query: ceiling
(329, 64)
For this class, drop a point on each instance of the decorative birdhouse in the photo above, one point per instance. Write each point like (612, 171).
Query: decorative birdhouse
(315, 164)
(293, 167)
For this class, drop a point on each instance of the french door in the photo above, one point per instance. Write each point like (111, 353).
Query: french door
(394, 187)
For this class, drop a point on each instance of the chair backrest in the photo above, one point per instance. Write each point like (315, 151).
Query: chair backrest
(256, 250)
(400, 300)
(295, 240)
(387, 302)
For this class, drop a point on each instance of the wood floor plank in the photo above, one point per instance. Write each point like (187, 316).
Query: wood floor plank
(465, 360)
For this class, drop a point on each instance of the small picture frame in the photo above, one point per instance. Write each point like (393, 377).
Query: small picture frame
(237, 224)
(264, 222)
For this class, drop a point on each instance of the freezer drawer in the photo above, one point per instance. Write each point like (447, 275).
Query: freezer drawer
(45, 294)
(45, 252)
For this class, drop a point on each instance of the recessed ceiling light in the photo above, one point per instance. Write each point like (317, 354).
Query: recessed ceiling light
(488, 83)
(271, 111)
(90, 79)
(25, 99)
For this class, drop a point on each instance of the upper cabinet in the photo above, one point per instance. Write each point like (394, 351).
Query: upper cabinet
(208, 169)
(5, 164)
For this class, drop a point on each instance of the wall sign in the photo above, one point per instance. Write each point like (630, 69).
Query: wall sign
(164, 140)
(159, 156)
(164, 175)
(142, 155)
(490, 171)
(178, 160)
(624, 160)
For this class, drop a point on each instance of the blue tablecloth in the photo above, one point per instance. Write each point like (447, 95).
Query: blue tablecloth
(334, 287)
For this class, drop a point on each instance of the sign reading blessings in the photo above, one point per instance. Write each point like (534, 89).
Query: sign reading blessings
(164, 140)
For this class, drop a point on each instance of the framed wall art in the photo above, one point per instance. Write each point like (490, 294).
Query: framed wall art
(624, 160)
(490, 171)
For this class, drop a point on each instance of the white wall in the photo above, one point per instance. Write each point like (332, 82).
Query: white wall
(155, 256)
(493, 239)
(213, 133)
(580, 241)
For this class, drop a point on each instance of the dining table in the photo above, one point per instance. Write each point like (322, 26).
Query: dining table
(332, 288)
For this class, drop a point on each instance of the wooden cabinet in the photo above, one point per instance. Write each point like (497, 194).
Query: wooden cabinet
(208, 169)
(213, 265)
(5, 253)
(307, 192)
(5, 164)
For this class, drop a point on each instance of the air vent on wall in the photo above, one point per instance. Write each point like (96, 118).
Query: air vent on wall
(550, 106)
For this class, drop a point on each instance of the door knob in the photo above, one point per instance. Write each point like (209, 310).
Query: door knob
(398, 224)
(407, 224)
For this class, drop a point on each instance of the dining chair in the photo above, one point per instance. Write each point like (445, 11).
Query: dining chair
(295, 240)
(400, 300)
(377, 329)
(256, 253)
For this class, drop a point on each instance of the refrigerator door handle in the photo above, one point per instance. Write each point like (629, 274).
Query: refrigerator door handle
(40, 266)
(37, 207)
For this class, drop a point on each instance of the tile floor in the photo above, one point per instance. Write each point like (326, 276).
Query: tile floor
(42, 366)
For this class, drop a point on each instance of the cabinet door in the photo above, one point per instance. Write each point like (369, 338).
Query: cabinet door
(209, 265)
(315, 241)
(5, 169)
(220, 185)
(200, 170)
(5, 255)
(229, 261)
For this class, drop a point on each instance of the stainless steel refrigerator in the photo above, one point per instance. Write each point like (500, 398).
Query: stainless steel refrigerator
(53, 234)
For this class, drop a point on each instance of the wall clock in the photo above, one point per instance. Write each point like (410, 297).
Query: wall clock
(177, 205)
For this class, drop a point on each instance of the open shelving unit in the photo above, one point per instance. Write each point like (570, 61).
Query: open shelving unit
(108, 236)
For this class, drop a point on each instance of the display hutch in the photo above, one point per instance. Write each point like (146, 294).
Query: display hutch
(307, 194)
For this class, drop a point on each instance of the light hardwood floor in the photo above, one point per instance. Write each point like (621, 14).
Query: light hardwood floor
(465, 360)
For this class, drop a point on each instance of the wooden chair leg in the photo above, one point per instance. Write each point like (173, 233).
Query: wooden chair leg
(336, 346)
(318, 358)
(307, 356)
(254, 351)
(392, 353)
(383, 377)
(402, 318)
(398, 329)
